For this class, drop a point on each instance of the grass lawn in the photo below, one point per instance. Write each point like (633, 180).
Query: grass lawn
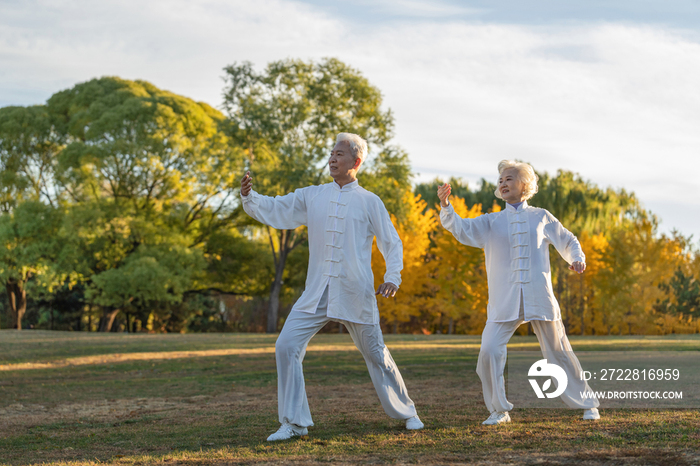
(211, 399)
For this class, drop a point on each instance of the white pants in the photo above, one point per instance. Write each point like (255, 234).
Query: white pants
(291, 348)
(555, 348)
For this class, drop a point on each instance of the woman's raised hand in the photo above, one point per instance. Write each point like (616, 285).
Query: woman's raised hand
(246, 184)
(444, 192)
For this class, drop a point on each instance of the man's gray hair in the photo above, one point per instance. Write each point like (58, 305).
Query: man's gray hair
(358, 146)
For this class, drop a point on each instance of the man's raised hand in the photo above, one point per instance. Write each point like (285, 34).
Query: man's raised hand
(444, 192)
(388, 290)
(246, 184)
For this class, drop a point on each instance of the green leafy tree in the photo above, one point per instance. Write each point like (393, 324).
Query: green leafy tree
(29, 144)
(150, 278)
(287, 118)
(482, 195)
(27, 251)
(683, 295)
(237, 264)
(144, 168)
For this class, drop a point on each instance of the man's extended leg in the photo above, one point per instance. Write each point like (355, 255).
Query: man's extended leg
(385, 375)
(289, 353)
(557, 350)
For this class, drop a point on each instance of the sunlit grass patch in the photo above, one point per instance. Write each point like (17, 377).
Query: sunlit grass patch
(211, 399)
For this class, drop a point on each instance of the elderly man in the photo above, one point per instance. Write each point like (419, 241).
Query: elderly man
(342, 220)
(516, 245)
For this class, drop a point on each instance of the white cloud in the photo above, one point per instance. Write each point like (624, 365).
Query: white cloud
(418, 8)
(615, 102)
(178, 44)
(625, 114)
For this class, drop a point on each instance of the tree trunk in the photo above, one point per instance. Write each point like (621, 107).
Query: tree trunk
(274, 306)
(560, 297)
(17, 296)
(107, 320)
(280, 262)
(584, 306)
(451, 328)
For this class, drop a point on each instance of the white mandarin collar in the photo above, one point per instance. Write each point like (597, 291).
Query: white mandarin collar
(347, 187)
(520, 208)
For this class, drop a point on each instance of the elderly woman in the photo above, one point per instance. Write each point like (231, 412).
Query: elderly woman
(516, 245)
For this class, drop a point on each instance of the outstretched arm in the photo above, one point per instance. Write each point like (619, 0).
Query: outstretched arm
(281, 212)
(566, 244)
(390, 246)
(469, 231)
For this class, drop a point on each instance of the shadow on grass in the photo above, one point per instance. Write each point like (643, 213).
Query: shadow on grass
(220, 409)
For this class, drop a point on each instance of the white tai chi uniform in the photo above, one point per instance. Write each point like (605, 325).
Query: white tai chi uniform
(342, 223)
(516, 248)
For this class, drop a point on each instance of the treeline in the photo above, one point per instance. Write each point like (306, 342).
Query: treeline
(119, 211)
(119, 206)
(637, 281)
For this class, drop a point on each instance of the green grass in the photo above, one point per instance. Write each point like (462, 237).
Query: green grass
(217, 405)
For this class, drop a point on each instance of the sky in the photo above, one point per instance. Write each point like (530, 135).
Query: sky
(607, 89)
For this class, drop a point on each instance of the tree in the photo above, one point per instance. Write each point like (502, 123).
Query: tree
(388, 175)
(29, 145)
(237, 264)
(580, 206)
(582, 287)
(635, 262)
(150, 277)
(287, 119)
(680, 297)
(144, 168)
(414, 232)
(482, 195)
(27, 250)
(684, 295)
(459, 275)
(28, 148)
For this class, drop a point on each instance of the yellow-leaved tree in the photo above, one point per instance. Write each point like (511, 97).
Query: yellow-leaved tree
(414, 232)
(582, 291)
(458, 278)
(634, 263)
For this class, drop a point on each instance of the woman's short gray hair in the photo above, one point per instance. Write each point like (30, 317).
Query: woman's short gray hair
(526, 174)
(358, 146)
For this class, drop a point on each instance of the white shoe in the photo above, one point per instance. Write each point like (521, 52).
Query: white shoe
(414, 423)
(591, 414)
(287, 431)
(497, 418)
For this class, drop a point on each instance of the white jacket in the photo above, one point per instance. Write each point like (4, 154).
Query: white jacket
(342, 222)
(516, 245)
